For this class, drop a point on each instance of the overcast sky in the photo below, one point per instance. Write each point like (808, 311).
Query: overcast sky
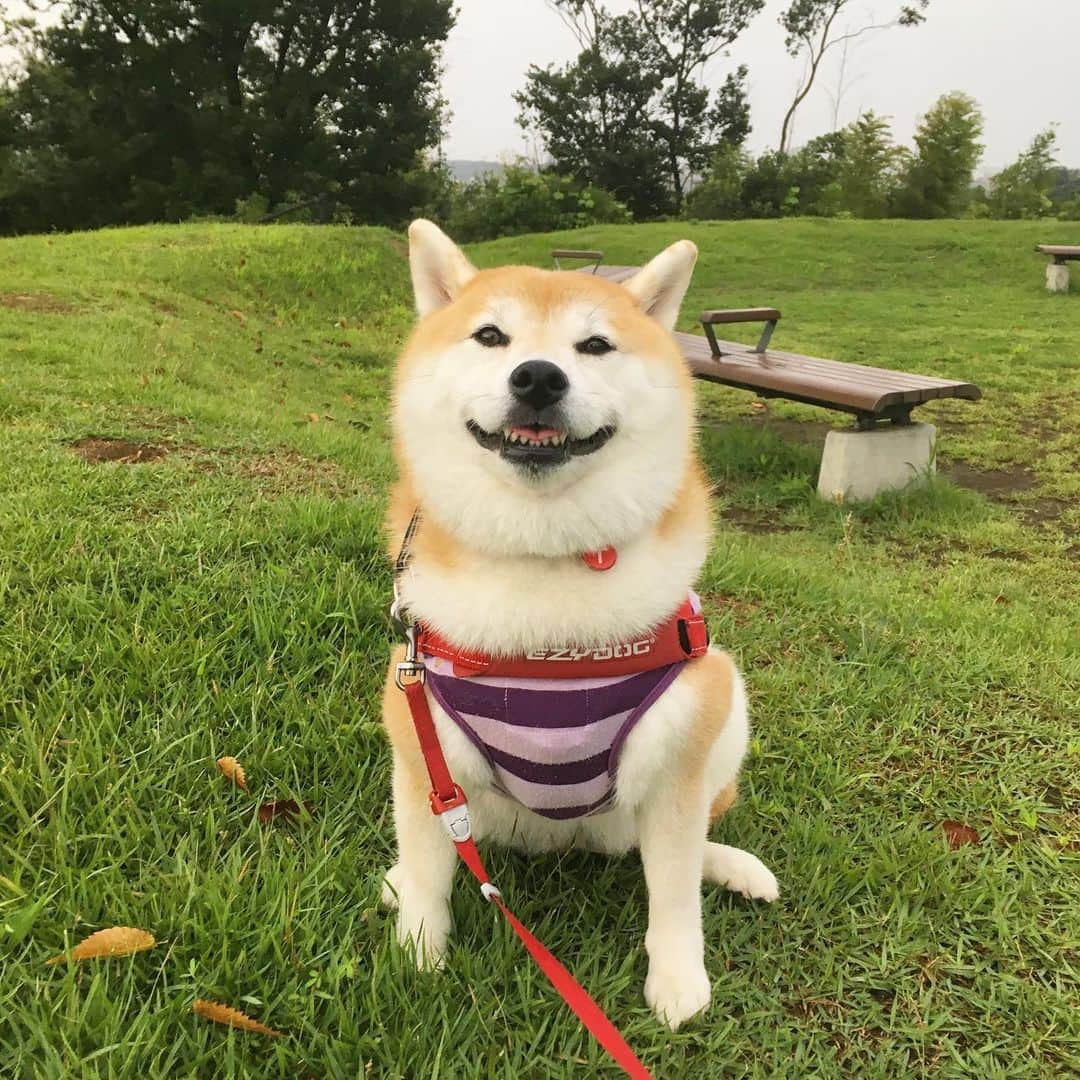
(1017, 58)
(1002, 52)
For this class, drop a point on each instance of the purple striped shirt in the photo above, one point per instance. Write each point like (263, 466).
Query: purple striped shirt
(552, 744)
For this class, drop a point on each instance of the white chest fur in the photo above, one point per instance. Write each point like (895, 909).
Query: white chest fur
(510, 606)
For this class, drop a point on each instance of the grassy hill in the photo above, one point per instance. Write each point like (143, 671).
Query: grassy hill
(193, 462)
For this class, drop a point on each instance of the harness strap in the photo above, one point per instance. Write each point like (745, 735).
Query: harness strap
(448, 801)
(683, 637)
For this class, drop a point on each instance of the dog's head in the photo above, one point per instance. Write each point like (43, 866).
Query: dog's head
(541, 412)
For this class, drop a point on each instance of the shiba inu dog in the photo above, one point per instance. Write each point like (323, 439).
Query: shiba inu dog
(540, 416)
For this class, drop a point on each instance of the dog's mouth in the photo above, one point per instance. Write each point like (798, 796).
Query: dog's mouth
(537, 445)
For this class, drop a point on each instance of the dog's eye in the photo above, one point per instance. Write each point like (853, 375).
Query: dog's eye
(594, 346)
(491, 337)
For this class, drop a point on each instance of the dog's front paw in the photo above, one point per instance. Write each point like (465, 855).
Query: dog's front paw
(422, 924)
(426, 930)
(676, 995)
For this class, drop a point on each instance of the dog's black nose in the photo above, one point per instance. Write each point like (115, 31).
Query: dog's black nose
(538, 383)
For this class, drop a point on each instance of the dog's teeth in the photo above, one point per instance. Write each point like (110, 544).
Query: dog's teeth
(507, 433)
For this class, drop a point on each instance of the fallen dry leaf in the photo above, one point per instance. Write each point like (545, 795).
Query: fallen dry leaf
(959, 834)
(224, 1014)
(115, 941)
(757, 406)
(313, 417)
(238, 315)
(233, 770)
(289, 809)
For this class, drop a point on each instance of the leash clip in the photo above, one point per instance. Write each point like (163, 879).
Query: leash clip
(411, 667)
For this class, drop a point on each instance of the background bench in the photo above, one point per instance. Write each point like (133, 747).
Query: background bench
(1057, 270)
(881, 400)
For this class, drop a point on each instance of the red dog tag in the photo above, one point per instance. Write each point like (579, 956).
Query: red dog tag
(604, 559)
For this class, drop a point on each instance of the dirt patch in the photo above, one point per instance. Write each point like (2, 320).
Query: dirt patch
(804, 432)
(997, 484)
(399, 246)
(1044, 511)
(41, 303)
(809, 432)
(755, 521)
(97, 450)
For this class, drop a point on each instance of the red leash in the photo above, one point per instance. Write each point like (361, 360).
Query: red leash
(449, 803)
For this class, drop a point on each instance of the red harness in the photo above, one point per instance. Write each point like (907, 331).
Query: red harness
(683, 637)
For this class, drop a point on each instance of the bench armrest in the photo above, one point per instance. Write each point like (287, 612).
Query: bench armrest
(737, 315)
(767, 315)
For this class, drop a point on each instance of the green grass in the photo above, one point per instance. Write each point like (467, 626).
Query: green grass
(909, 662)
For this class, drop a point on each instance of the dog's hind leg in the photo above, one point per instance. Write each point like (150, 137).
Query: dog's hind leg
(739, 871)
(736, 870)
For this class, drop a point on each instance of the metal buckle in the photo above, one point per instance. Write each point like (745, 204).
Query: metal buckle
(411, 666)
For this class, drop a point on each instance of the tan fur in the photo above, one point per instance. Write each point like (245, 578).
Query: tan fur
(723, 802)
(711, 675)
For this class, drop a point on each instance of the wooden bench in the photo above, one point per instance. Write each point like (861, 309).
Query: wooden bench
(874, 396)
(1057, 270)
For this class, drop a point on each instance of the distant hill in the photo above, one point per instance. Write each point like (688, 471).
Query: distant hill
(466, 170)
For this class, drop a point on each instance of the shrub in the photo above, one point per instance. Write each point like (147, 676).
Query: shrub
(521, 200)
(720, 194)
(1070, 211)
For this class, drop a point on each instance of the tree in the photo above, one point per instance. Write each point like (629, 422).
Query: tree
(159, 109)
(869, 167)
(594, 116)
(631, 113)
(813, 31)
(1022, 189)
(937, 178)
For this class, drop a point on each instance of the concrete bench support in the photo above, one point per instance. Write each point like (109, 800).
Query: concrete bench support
(858, 465)
(1057, 277)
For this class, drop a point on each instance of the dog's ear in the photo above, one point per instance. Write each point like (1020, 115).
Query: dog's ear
(659, 286)
(439, 267)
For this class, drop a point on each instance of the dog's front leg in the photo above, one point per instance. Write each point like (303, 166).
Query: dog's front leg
(671, 834)
(419, 883)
